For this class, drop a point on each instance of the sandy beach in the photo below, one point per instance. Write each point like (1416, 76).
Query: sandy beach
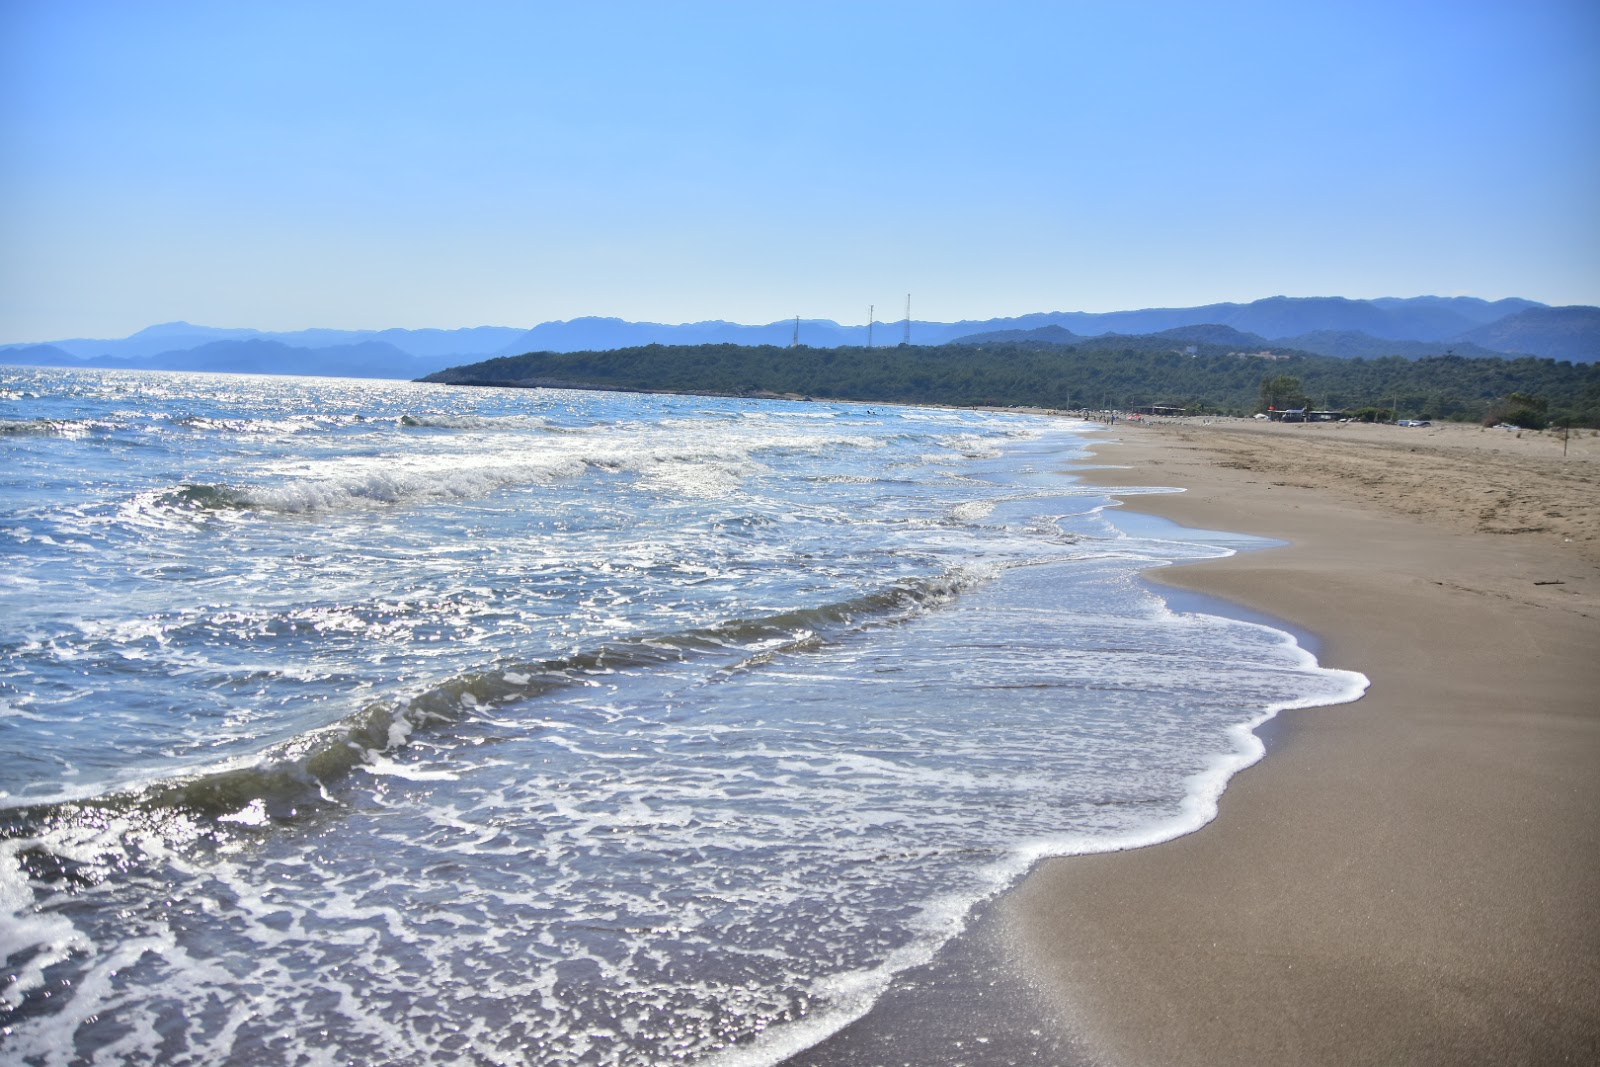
(1410, 879)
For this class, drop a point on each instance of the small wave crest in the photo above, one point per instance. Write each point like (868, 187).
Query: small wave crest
(294, 776)
(28, 427)
(426, 479)
(477, 422)
(254, 426)
(49, 427)
(364, 488)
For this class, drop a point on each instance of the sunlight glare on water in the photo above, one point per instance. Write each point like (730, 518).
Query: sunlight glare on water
(390, 723)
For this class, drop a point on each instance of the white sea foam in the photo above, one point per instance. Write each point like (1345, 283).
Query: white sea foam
(477, 422)
(624, 728)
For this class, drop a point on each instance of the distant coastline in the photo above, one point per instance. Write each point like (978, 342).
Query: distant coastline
(1409, 328)
(1116, 373)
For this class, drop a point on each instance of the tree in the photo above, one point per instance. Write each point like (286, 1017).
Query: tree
(1283, 391)
(1519, 409)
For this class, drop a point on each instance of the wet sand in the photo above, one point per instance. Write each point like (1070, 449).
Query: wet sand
(1410, 879)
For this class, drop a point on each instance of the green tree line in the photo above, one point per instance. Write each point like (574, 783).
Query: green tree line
(1110, 372)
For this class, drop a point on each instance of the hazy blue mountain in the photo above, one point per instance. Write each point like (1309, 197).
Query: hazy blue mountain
(1411, 327)
(1412, 318)
(1283, 316)
(1212, 333)
(1350, 344)
(438, 344)
(182, 336)
(1094, 324)
(368, 359)
(1044, 335)
(1344, 344)
(594, 333)
(430, 343)
(1571, 333)
(39, 356)
(600, 334)
(1479, 312)
(152, 340)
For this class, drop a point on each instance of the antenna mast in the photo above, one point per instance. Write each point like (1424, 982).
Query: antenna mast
(796, 342)
(870, 309)
(907, 340)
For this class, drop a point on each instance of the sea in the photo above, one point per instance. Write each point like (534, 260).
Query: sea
(389, 723)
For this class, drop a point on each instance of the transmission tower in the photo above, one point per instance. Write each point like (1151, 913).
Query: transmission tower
(907, 339)
(870, 309)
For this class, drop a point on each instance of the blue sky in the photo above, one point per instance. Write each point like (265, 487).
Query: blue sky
(365, 165)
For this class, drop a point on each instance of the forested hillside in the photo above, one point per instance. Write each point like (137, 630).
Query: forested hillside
(1111, 372)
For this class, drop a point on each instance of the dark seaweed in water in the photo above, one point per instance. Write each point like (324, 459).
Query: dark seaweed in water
(15, 427)
(294, 778)
(205, 497)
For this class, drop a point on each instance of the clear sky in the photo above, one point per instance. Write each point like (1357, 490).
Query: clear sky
(363, 165)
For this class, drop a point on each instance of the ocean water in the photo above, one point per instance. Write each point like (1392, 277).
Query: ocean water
(387, 723)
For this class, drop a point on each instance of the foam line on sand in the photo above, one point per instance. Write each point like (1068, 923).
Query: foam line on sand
(1412, 878)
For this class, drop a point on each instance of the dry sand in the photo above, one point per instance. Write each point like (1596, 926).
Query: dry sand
(1410, 879)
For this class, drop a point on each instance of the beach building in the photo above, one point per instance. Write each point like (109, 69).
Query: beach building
(1304, 415)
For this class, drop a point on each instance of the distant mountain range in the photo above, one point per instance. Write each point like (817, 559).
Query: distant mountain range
(1344, 344)
(1411, 327)
(328, 353)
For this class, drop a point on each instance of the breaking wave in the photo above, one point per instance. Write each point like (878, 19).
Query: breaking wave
(49, 427)
(425, 479)
(24, 427)
(294, 776)
(481, 422)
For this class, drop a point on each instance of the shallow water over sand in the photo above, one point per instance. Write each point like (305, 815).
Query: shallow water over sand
(396, 724)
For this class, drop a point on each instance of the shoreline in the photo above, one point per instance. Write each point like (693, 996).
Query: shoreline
(1409, 878)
